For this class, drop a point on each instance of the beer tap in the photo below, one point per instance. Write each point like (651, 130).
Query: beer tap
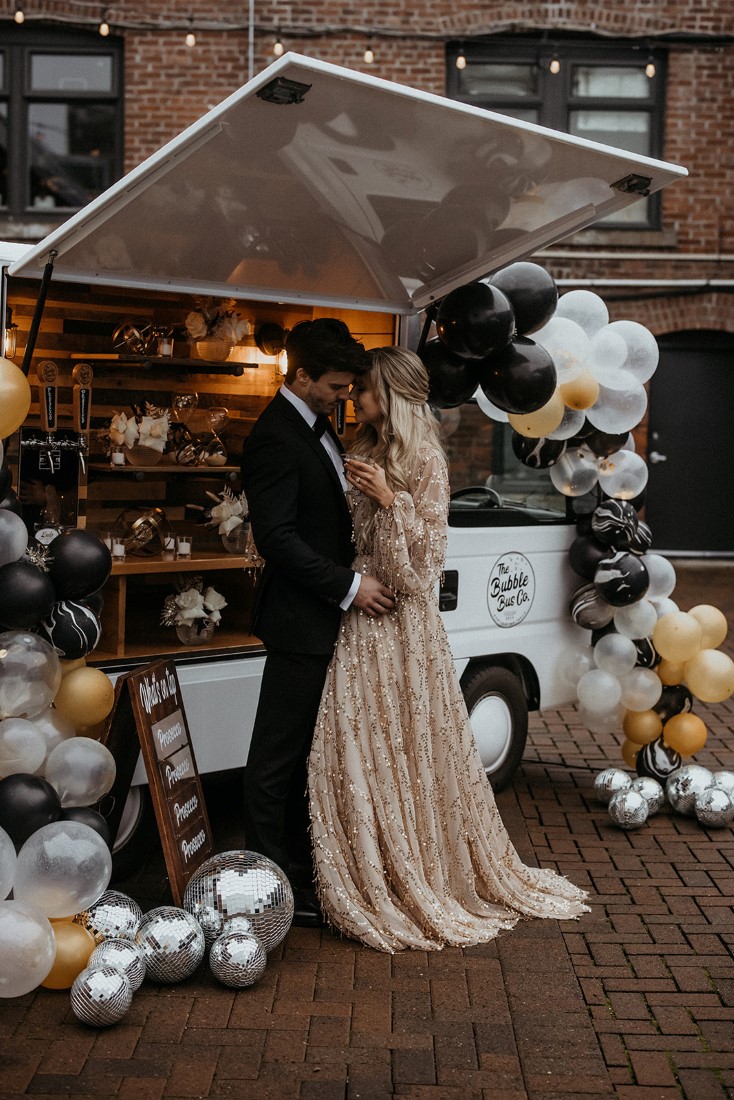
(82, 375)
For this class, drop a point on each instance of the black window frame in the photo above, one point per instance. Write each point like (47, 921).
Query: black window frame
(18, 45)
(554, 100)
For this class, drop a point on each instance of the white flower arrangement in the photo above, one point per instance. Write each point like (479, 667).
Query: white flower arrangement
(143, 431)
(123, 430)
(193, 604)
(230, 511)
(219, 320)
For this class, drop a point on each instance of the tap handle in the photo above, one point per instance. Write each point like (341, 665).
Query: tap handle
(82, 375)
(48, 374)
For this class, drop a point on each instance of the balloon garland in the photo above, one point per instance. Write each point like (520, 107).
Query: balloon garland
(571, 384)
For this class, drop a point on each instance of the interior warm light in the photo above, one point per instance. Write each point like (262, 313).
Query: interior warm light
(650, 67)
(19, 16)
(555, 65)
(460, 60)
(104, 28)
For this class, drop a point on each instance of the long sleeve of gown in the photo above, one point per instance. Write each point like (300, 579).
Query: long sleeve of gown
(409, 544)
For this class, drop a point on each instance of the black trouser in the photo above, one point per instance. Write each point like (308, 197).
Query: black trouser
(276, 799)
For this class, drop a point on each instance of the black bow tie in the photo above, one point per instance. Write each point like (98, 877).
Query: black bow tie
(321, 424)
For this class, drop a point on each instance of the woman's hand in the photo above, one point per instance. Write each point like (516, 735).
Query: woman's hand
(370, 480)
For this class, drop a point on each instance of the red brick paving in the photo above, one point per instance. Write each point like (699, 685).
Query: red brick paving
(635, 1001)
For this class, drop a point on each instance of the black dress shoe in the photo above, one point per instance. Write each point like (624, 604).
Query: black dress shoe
(307, 914)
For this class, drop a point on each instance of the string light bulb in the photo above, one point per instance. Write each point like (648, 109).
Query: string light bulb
(650, 69)
(555, 65)
(369, 55)
(19, 16)
(104, 27)
(190, 38)
(278, 47)
(461, 59)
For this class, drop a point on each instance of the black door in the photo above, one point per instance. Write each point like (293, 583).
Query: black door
(690, 451)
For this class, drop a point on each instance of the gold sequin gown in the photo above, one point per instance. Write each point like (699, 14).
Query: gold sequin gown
(409, 846)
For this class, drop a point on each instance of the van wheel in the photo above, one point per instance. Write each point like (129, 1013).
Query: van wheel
(134, 839)
(498, 711)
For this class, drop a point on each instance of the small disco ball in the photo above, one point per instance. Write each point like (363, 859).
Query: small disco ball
(172, 942)
(651, 790)
(237, 959)
(609, 782)
(124, 955)
(241, 883)
(238, 923)
(714, 807)
(100, 996)
(725, 782)
(628, 809)
(113, 916)
(683, 786)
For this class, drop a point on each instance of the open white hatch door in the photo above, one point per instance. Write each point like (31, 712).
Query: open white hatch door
(319, 184)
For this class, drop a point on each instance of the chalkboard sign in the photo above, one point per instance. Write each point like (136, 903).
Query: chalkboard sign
(151, 698)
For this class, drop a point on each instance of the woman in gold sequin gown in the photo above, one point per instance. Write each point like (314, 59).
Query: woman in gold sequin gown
(409, 846)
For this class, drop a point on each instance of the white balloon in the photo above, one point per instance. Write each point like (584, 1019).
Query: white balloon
(617, 411)
(607, 353)
(7, 864)
(576, 472)
(664, 607)
(62, 868)
(13, 537)
(615, 654)
(573, 663)
(637, 620)
(30, 674)
(623, 475)
(81, 770)
(572, 423)
(54, 727)
(27, 948)
(22, 747)
(662, 576)
(587, 309)
(599, 691)
(488, 407)
(641, 689)
(643, 352)
(567, 344)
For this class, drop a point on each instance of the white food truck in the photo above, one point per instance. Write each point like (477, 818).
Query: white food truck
(315, 186)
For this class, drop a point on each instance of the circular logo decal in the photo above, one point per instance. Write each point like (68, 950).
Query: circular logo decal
(511, 589)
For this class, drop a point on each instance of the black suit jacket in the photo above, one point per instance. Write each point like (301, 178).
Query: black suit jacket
(302, 527)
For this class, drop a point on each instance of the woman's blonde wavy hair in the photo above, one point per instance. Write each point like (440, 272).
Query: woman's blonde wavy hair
(400, 383)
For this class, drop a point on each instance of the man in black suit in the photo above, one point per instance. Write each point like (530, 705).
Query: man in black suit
(293, 479)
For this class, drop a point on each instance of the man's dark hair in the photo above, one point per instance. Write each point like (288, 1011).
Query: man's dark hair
(324, 345)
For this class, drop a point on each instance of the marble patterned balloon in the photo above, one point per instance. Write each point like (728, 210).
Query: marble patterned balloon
(621, 579)
(614, 522)
(113, 916)
(629, 809)
(237, 959)
(72, 629)
(241, 883)
(537, 454)
(588, 609)
(100, 996)
(124, 955)
(647, 655)
(714, 808)
(685, 785)
(610, 782)
(641, 541)
(172, 942)
(657, 760)
(652, 790)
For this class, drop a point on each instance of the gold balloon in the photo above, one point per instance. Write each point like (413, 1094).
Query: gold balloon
(540, 423)
(642, 726)
(95, 731)
(713, 624)
(85, 696)
(629, 753)
(74, 945)
(581, 392)
(671, 672)
(685, 733)
(69, 666)
(677, 636)
(15, 397)
(710, 676)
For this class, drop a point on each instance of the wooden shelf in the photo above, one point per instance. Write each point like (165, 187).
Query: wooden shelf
(224, 643)
(197, 563)
(193, 366)
(164, 468)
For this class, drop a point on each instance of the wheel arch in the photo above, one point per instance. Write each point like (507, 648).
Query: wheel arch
(515, 663)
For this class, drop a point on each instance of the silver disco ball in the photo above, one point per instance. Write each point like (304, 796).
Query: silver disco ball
(241, 883)
(100, 996)
(683, 786)
(725, 782)
(237, 959)
(113, 916)
(609, 782)
(172, 942)
(124, 955)
(628, 809)
(651, 790)
(238, 923)
(714, 807)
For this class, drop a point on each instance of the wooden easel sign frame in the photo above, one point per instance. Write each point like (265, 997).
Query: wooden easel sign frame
(151, 697)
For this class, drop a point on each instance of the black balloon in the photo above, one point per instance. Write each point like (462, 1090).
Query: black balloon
(475, 320)
(26, 595)
(531, 292)
(604, 444)
(615, 522)
(27, 803)
(85, 815)
(647, 654)
(610, 628)
(6, 479)
(452, 380)
(588, 609)
(657, 761)
(79, 564)
(674, 699)
(95, 602)
(72, 628)
(641, 541)
(621, 579)
(519, 379)
(585, 553)
(537, 454)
